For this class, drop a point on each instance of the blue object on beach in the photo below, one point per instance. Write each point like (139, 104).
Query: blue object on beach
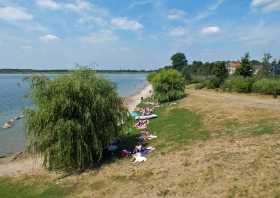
(134, 114)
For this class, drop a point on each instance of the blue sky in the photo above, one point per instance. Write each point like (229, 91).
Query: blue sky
(136, 34)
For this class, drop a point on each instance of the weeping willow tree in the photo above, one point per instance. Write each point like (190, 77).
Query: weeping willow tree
(74, 118)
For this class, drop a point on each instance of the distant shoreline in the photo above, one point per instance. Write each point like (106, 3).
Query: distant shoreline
(63, 71)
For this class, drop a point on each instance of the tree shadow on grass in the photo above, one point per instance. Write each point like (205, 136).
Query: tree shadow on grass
(127, 142)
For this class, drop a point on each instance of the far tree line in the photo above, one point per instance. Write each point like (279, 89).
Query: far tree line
(267, 67)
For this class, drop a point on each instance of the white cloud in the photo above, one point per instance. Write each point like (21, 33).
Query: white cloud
(216, 5)
(140, 3)
(48, 4)
(210, 30)
(100, 37)
(96, 20)
(256, 3)
(14, 14)
(177, 32)
(210, 10)
(125, 24)
(49, 38)
(266, 5)
(75, 5)
(176, 14)
(79, 6)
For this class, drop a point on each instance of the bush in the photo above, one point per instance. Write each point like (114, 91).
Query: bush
(199, 86)
(151, 76)
(213, 83)
(74, 118)
(238, 84)
(267, 86)
(168, 85)
(198, 79)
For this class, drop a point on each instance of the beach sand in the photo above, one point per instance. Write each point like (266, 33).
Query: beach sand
(134, 100)
(21, 164)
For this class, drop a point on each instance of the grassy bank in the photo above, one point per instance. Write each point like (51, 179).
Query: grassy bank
(209, 144)
(31, 187)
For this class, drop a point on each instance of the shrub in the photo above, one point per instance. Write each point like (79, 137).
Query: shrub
(238, 84)
(74, 118)
(198, 79)
(213, 83)
(168, 85)
(151, 76)
(199, 86)
(267, 86)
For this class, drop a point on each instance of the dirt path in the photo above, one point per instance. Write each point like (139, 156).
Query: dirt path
(257, 101)
(10, 167)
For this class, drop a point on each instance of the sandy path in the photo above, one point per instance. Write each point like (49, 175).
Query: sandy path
(265, 102)
(133, 101)
(21, 166)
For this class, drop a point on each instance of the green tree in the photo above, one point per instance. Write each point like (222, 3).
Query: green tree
(220, 73)
(186, 72)
(219, 70)
(168, 85)
(179, 61)
(246, 68)
(74, 118)
(265, 71)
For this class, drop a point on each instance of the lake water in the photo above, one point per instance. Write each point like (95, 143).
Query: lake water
(12, 101)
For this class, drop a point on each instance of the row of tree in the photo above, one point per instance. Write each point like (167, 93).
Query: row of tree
(268, 67)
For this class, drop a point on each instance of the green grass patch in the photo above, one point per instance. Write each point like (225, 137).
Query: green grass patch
(31, 188)
(258, 128)
(177, 125)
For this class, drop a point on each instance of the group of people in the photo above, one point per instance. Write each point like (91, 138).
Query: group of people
(140, 151)
(146, 111)
(141, 124)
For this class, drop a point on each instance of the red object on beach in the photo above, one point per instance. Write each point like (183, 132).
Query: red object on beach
(123, 153)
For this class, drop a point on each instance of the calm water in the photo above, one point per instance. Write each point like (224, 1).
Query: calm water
(12, 101)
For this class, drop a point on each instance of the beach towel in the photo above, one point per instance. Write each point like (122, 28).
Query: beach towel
(147, 150)
(134, 114)
(139, 158)
(150, 137)
(123, 153)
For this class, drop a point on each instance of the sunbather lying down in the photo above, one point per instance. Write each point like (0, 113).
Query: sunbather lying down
(146, 111)
(137, 157)
(141, 124)
(146, 135)
(140, 152)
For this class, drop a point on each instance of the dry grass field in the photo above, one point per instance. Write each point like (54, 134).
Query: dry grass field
(221, 145)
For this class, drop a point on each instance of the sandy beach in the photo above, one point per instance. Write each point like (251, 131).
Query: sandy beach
(21, 164)
(134, 100)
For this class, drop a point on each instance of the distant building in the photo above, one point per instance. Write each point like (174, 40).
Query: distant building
(232, 66)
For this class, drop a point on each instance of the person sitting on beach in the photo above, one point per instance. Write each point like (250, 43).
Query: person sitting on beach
(141, 124)
(147, 111)
(146, 135)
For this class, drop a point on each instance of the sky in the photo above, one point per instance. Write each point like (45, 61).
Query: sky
(134, 34)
